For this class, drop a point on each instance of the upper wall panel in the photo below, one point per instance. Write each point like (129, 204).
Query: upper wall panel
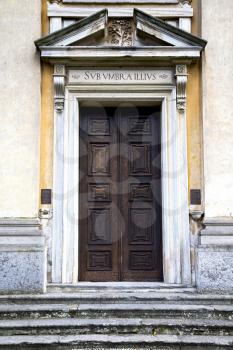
(120, 8)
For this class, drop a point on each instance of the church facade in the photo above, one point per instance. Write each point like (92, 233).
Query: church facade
(116, 144)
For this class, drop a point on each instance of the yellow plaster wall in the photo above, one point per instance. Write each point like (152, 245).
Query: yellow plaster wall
(46, 141)
(194, 129)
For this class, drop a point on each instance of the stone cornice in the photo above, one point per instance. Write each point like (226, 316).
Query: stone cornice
(121, 1)
(17, 222)
(105, 2)
(115, 10)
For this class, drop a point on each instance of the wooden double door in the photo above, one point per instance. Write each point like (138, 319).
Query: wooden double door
(120, 194)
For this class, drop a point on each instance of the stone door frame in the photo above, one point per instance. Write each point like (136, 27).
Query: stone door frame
(175, 216)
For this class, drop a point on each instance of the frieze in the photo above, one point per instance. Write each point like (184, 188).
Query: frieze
(121, 76)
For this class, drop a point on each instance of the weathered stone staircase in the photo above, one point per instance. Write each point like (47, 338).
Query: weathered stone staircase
(117, 318)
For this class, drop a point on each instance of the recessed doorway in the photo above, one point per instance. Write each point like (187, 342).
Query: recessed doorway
(120, 215)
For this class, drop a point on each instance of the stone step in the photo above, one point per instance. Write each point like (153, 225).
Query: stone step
(106, 296)
(130, 310)
(100, 341)
(116, 326)
(120, 287)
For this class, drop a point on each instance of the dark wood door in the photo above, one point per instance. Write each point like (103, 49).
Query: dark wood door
(120, 194)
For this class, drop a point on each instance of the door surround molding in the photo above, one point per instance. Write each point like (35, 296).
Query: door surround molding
(175, 214)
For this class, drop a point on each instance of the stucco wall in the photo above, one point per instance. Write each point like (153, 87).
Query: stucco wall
(217, 24)
(20, 25)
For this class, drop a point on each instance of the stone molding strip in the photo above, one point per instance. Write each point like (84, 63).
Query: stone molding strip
(217, 231)
(139, 2)
(22, 244)
(12, 222)
(20, 227)
(81, 11)
(218, 226)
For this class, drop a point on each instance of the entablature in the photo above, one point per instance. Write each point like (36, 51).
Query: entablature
(139, 41)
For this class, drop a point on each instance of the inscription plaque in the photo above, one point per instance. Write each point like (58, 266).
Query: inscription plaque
(121, 76)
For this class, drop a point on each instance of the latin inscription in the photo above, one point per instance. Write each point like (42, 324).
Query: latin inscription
(128, 76)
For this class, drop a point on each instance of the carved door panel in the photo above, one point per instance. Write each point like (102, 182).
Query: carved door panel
(120, 215)
(140, 165)
(98, 239)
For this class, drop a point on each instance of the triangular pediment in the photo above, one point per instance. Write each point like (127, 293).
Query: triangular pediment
(95, 24)
(101, 36)
(159, 29)
(141, 30)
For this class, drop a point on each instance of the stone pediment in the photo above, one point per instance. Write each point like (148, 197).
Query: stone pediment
(92, 25)
(99, 35)
(158, 29)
